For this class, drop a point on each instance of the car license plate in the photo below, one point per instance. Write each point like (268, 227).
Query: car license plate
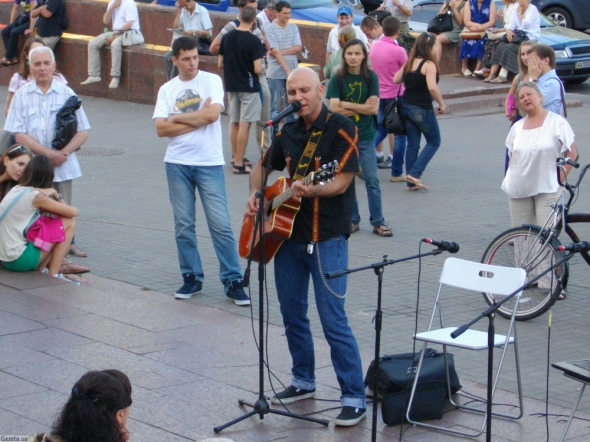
(582, 64)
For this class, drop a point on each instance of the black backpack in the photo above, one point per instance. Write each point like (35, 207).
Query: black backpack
(65, 22)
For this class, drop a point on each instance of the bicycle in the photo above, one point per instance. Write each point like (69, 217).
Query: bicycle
(534, 249)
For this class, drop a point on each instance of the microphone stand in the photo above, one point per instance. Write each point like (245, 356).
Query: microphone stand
(378, 269)
(490, 312)
(261, 406)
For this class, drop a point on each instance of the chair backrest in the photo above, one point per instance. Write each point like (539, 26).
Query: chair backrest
(482, 277)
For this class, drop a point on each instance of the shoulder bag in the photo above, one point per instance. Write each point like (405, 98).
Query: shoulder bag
(132, 37)
(442, 22)
(392, 119)
(466, 34)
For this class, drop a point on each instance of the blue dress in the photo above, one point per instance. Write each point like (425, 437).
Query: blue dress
(475, 48)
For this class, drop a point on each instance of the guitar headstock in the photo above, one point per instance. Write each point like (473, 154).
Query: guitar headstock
(325, 173)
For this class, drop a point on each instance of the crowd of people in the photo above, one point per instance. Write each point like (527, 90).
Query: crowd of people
(340, 119)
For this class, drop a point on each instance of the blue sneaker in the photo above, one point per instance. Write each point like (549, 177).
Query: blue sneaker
(190, 287)
(236, 293)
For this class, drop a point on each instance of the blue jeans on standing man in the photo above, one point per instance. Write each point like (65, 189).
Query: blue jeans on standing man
(210, 182)
(368, 163)
(399, 141)
(277, 88)
(295, 265)
(420, 121)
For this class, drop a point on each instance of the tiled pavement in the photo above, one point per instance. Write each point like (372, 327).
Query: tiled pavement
(188, 363)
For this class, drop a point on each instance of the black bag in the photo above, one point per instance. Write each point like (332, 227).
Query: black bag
(518, 37)
(203, 45)
(441, 23)
(379, 15)
(406, 41)
(66, 123)
(392, 119)
(396, 376)
(21, 20)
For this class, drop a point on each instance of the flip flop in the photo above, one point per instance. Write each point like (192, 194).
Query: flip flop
(416, 182)
(76, 279)
(6, 62)
(240, 170)
(355, 227)
(71, 268)
(77, 252)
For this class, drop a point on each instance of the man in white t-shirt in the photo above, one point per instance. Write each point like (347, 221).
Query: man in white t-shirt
(124, 18)
(187, 111)
(344, 16)
(192, 20)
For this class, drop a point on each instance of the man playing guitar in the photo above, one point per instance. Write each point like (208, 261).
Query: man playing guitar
(318, 244)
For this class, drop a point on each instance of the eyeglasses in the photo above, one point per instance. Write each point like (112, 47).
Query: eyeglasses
(23, 149)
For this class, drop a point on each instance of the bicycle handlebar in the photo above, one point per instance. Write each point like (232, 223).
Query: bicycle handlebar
(564, 161)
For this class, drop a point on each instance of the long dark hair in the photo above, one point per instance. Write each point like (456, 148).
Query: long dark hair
(11, 153)
(23, 67)
(38, 173)
(423, 48)
(89, 414)
(365, 71)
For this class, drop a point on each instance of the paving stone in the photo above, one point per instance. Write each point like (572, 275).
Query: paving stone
(40, 408)
(10, 324)
(15, 425)
(13, 354)
(13, 386)
(42, 340)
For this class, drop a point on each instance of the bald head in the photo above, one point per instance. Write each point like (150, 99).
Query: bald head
(306, 75)
(303, 85)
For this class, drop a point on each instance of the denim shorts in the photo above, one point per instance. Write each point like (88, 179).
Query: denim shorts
(27, 262)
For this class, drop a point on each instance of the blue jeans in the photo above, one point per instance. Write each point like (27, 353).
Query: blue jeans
(277, 88)
(368, 162)
(399, 143)
(209, 180)
(10, 35)
(420, 121)
(295, 265)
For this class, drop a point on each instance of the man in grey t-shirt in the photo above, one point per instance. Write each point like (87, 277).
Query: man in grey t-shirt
(285, 45)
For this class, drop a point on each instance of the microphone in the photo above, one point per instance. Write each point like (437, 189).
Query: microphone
(582, 246)
(293, 107)
(451, 247)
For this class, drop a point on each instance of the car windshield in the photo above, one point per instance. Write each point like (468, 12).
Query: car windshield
(304, 4)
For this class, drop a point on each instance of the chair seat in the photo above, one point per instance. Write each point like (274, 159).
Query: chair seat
(471, 339)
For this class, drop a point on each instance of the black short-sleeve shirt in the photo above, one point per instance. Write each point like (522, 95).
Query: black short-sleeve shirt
(240, 49)
(338, 142)
(50, 27)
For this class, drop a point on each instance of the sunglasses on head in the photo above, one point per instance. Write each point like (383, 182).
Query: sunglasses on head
(23, 149)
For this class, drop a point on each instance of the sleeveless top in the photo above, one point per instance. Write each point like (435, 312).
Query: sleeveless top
(417, 92)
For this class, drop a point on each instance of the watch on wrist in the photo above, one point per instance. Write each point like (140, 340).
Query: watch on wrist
(533, 80)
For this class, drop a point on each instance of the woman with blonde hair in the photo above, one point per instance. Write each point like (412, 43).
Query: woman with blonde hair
(333, 64)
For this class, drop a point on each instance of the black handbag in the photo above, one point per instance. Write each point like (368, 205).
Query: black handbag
(396, 376)
(66, 123)
(203, 45)
(518, 37)
(392, 119)
(442, 22)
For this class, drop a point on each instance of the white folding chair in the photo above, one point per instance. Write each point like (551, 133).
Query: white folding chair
(478, 278)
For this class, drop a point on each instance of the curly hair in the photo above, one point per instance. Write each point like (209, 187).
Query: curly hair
(89, 414)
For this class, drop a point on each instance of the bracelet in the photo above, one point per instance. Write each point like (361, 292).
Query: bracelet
(60, 197)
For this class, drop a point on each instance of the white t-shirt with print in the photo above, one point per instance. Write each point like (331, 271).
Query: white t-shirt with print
(533, 153)
(201, 147)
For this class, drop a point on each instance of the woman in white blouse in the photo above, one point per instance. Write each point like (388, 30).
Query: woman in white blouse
(534, 143)
(525, 19)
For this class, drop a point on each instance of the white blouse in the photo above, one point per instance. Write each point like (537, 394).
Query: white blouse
(533, 153)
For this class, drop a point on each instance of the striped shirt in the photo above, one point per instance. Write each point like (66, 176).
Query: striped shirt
(33, 113)
(282, 38)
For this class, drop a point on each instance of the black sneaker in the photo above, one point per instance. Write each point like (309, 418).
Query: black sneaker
(292, 394)
(350, 416)
(236, 293)
(191, 287)
(380, 159)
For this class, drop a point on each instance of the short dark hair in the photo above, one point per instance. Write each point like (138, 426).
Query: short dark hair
(183, 43)
(90, 411)
(369, 23)
(38, 173)
(391, 26)
(544, 51)
(248, 14)
(244, 3)
(282, 5)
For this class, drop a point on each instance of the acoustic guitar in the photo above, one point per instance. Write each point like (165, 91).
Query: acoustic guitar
(280, 209)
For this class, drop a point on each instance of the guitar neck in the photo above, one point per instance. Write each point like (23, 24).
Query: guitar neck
(279, 200)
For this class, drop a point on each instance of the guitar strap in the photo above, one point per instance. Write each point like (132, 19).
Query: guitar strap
(310, 148)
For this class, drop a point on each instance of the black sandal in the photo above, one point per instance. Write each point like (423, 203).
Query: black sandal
(241, 170)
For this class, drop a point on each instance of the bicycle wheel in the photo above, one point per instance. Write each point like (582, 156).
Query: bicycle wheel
(525, 247)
